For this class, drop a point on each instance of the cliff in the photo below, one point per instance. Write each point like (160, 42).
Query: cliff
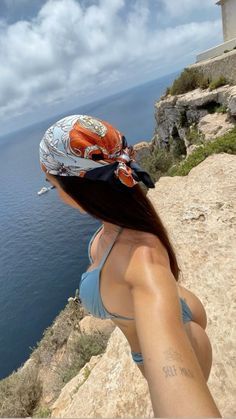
(195, 117)
(199, 211)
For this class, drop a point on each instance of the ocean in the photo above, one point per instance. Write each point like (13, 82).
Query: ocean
(44, 241)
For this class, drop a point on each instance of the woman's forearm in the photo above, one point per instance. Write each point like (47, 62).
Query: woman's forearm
(176, 383)
(175, 379)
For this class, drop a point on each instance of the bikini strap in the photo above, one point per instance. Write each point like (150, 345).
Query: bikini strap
(109, 249)
(91, 241)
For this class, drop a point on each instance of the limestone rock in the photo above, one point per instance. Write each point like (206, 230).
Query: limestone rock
(51, 368)
(232, 101)
(175, 114)
(115, 388)
(214, 125)
(199, 213)
(71, 388)
(199, 97)
(55, 352)
(50, 371)
(90, 324)
(142, 149)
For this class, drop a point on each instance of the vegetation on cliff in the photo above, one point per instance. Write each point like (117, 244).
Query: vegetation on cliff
(223, 144)
(192, 78)
(162, 162)
(60, 354)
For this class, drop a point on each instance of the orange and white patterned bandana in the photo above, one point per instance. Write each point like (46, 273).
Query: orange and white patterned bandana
(84, 146)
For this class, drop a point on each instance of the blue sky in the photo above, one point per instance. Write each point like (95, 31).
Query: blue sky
(58, 54)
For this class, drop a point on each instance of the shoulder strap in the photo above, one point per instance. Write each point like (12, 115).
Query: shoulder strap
(109, 249)
(90, 242)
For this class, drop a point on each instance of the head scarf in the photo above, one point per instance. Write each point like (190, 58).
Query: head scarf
(84, 146)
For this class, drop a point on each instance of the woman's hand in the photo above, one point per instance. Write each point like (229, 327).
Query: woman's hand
(176, 383)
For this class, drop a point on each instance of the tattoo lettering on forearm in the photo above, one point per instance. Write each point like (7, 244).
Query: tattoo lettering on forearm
(186, 372)
(169, 371)
(172, 370)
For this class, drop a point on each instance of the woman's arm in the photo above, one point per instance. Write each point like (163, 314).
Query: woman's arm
(175, 379)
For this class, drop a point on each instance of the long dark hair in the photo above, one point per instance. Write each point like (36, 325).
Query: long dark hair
(126, 207)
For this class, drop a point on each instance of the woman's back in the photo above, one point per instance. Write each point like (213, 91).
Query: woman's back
(114, 290)
(115, 293)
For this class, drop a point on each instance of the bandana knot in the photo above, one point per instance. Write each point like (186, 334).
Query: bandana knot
(123, 171)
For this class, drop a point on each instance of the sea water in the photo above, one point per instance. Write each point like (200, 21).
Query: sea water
(44, 241)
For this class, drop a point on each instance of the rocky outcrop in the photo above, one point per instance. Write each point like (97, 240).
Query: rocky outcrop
(200, 215)
(35, 386)
(189, 117)
(90, 324)
(199, 212)
(52, 367)
(143, 149)
(55, 351)
(67, 399)
(214, 125)
(114, 388)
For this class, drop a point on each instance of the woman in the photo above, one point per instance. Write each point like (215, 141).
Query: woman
(93, 169)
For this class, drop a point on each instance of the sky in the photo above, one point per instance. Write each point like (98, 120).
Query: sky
(56, 55)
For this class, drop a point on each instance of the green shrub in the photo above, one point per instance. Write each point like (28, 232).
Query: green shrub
(89, 345)
(221, 81)
(167, 92)
(204, 82)
(57, 334)
(71, 371)
(20, 393)
(164, 163)
(42, 412)
(221, 109)
(87, 372)
(193, 136)
(189, 79)
(157, 163)
(178, 149)
(223, 144)
(213, 107)
(86, 346)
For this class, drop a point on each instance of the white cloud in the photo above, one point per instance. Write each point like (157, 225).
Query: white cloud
(184, 7)
(70, 50)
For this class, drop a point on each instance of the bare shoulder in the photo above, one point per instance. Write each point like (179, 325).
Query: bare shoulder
(137, 237)
(146, 246)
(143, 250)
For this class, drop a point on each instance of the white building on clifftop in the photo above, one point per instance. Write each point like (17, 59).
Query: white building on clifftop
(228, 10)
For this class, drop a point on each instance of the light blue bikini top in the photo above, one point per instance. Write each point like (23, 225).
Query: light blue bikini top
(89, 291)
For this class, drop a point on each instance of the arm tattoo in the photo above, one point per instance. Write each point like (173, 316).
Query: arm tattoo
(173, 370)
(172, 355)
(169, 371)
